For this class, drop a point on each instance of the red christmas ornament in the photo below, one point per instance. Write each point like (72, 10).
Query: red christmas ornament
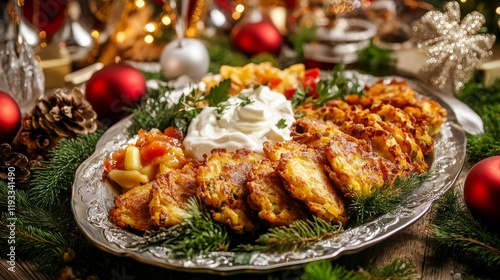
(10, 118)
(47, 16)
(113, 89)
(257, 37)
(482, 190)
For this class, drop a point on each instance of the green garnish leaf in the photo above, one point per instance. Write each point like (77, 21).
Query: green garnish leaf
(245, 100)
(282, 124)
(219, 93)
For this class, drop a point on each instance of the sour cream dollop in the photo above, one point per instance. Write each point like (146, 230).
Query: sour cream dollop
(241, 124)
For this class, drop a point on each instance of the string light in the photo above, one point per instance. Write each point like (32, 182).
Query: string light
(95, 34)
(120, 37)
(149, 39)
(166, 20)
(150, 27)
(140, 3)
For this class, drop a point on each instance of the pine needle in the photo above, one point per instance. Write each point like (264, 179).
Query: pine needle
(197, 235)
(324, 270)
(156, 111)
(376, 61)
(397, 269)
(384, 199)
(51, 184)
(456, 233)
(485, 100)
(299, 234)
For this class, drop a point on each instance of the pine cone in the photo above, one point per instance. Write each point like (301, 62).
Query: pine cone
(20, 162)
(65, 114)
(60, 113)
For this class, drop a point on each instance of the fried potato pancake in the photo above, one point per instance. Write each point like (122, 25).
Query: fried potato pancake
(222, 185)
(131, 208)
(269, 198)
(305, 171)
(426, 112)
(367, 126)
(356, 169)
(170, 194)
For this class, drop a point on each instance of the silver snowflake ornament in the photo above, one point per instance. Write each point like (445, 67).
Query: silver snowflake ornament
(454, 48)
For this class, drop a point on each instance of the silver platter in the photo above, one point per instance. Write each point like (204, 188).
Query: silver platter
(92, 199)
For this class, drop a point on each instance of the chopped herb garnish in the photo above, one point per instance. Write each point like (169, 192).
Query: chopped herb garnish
(282, 124)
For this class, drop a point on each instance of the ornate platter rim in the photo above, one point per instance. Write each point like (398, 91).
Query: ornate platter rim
(92, 198)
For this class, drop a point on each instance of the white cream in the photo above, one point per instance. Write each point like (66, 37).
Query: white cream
(241, 126)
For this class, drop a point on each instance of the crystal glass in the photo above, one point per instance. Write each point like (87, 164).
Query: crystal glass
(20, 73)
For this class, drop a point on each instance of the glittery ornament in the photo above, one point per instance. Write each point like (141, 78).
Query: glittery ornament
(453, 46)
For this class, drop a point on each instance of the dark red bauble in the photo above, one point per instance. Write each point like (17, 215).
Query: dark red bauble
(10, 118)
(113, 89)
(46, 16)
(482, 190)
(257, 37)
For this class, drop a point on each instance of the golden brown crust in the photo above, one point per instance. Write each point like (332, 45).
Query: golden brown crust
(305, 176)
(356, 169)
(269, 198)
(170, 194)
(132, 208)
(222, 185)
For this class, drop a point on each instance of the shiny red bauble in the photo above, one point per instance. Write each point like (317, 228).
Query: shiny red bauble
(10, 118)
(114, 89)
(257, 37)
(46, 16)
(482, 190)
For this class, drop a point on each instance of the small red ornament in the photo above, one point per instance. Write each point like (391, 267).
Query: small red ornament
(47, 17)
(113, 89)
(257, 37)
(482, 190)
(10, 118)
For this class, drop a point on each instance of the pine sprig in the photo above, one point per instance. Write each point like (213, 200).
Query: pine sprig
(324, 269)
(384, 199)
(157, 111)
(297, 235)
(197, 235)
(456, 233)
(51, 184)
(45, 248)
(485, 100)
(376, 61)
(397, 269)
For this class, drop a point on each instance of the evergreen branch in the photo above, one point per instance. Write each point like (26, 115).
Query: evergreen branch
(302, 36)
(152, 112)
(385, 199)
(297, 235)
(324, 269)
(52, 184)
(456, 233)
(45, 248)
(197, 235)
(397, 269)
(485, 100)
(157, 111)
(376, 61)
